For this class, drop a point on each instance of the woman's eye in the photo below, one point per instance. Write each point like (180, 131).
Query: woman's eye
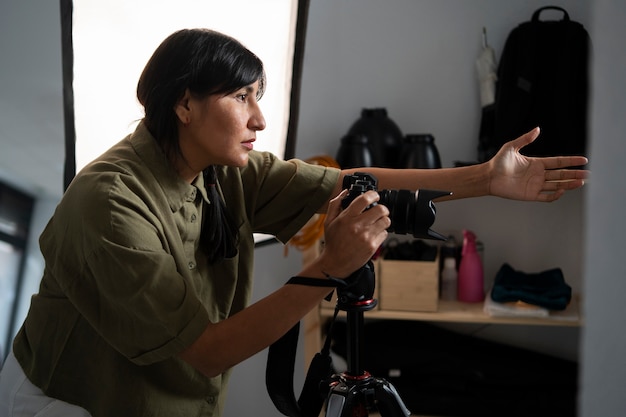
(242, 97)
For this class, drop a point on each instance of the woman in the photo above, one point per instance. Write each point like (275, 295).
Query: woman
(143, 306)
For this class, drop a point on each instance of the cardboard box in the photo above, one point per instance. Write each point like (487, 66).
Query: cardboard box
(408, 285)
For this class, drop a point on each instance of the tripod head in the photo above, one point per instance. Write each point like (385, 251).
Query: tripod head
(356, 293)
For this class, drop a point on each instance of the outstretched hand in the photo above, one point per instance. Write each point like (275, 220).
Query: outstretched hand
(520, 177)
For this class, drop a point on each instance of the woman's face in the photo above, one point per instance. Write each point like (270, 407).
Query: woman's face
(219, 130)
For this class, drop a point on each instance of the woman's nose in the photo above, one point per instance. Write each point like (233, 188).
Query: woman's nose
(257, 121)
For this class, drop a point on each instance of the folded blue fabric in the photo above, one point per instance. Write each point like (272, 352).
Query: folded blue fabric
(546, 289)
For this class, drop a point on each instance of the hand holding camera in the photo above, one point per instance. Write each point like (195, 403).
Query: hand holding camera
(353, 234)
(356, 230)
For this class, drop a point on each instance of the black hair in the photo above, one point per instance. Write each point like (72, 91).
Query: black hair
(205, 62)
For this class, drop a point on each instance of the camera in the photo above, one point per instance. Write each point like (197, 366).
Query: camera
(411, 212)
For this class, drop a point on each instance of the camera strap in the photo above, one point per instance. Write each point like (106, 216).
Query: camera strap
(281, 365)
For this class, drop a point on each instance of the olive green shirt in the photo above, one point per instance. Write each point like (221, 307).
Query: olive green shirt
(126, 288)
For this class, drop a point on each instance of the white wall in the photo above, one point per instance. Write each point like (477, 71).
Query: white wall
(604, 339)
(416, 58)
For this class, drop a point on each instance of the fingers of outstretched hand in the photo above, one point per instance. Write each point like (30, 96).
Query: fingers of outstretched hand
(566, 185)
(550, 196)
(564, 179)
(525, 139)
(556, 162)
(566, 174)
(553, 189)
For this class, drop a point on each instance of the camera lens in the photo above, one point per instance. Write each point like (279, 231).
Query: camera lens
(401, 205)
(411, 212)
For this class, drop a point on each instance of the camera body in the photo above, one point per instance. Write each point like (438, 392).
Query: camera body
(411, 212)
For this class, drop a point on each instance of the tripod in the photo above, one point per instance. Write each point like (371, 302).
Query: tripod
(354, 392)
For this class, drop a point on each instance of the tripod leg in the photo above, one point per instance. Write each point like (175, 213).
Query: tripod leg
(334, 405)
(388, 400)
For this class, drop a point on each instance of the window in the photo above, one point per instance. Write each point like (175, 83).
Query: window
(107, 43)
(111, 41)
(16, 209)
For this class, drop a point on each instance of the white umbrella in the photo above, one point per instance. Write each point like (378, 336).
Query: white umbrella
(486, 66)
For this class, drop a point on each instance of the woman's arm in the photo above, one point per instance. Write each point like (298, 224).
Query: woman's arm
(354, 234)
(351, 238)
(508, 174)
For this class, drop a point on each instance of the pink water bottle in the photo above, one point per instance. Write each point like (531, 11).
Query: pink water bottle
(470, 280)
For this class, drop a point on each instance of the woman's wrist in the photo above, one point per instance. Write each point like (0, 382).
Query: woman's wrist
(487, 168)
(321, 269)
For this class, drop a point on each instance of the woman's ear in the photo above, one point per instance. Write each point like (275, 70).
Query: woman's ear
(183, 109)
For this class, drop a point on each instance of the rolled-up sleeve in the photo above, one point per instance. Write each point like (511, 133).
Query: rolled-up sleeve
(289, 194)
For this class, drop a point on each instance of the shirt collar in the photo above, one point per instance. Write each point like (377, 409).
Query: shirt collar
(176, 190)
(199, 184)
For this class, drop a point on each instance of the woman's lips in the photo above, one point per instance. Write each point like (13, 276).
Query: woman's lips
(248, 144)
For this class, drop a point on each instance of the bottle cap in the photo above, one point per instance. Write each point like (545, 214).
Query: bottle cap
(449, 263)
(469, 242)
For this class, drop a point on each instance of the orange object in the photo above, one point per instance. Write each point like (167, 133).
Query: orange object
(313, 231)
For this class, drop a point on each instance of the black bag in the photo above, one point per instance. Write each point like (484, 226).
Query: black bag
(543, 80)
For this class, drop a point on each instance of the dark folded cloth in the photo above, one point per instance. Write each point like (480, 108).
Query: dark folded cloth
(546, 289)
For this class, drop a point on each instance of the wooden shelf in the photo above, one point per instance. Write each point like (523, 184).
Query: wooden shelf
(459, 312)
(447, 311)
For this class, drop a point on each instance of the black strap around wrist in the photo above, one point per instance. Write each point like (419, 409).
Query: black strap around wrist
(315, 282)
(330, 281)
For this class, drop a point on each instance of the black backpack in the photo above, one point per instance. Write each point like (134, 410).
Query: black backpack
(543, 80)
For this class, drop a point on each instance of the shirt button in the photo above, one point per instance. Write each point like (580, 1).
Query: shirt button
(193, 218)
(191, 265)
(210, 400)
